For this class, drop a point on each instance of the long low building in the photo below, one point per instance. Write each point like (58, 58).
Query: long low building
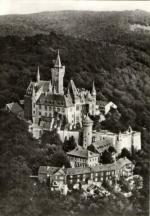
(59, 176)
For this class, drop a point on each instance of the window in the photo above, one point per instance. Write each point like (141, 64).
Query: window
(96, 174)
(77, 107)
(96, 179)
(61, 177)
(77, 118)
(39, 106)
(39, 113)
(71, 176)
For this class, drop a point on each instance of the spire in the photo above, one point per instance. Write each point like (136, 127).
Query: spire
(93, 89)
(58, 62)
(38, 75)
(50, 86)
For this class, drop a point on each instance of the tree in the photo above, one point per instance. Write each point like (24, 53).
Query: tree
(106, 157)
(51, 137)
(59, 159)
(70, 144)
(125, 153)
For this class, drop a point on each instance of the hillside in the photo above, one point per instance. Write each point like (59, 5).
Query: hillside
(89, 25)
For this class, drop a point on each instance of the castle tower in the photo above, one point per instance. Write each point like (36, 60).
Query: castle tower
(38, 75)
(58, 72)
(87, 132)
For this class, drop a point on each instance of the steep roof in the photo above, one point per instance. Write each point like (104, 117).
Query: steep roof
(58, 61)
(36, 86)
(55, 99)
(72, 88)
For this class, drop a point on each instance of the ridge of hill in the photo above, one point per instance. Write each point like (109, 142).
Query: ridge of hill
(85, 24)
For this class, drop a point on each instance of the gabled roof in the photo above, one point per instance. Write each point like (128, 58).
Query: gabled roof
(83, 153)
(72, 88)
(48, 170)
(36, 86)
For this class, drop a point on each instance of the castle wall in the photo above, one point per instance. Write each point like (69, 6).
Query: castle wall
(124, 141)
(137, 140)
(105, 137)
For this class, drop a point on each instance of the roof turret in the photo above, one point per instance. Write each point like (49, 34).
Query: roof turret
(38, 75)
(93, 89)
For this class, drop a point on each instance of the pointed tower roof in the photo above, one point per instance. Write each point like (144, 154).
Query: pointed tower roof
(87, 120)
(38, 75)
(93, 88)
(50, 86)
(58, 61)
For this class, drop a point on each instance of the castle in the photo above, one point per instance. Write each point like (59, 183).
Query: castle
(48, 101)
(48, 105)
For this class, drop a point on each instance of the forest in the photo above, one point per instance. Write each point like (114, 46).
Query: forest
(119, 63)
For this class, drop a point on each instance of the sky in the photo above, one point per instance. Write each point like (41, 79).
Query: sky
(33, 6)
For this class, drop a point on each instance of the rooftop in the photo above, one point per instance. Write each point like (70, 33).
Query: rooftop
(84, 153)
(83, 170)
(15, 108)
